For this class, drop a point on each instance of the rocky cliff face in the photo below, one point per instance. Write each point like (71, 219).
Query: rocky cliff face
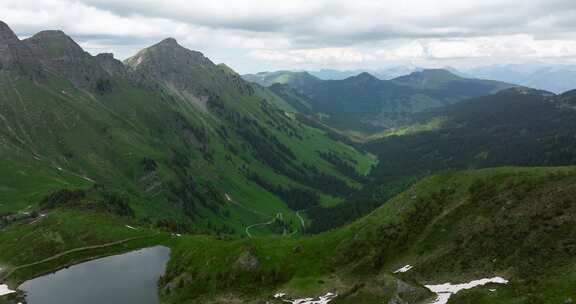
(15, 55)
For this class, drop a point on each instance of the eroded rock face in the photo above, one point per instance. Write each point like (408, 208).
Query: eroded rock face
(15, 55)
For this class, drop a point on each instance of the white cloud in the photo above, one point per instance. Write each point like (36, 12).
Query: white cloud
(251, 34)
(311, 58)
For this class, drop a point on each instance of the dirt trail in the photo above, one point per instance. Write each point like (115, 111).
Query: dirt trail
(61, 254)
(278, 215)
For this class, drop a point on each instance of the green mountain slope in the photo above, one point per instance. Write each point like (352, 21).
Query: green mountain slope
(515, 127)
(190, 142)
(520, 127)
(453, 227)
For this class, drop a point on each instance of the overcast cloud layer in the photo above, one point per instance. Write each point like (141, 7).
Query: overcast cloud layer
(252, 35)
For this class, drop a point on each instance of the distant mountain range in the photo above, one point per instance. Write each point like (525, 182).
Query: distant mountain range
(549, 77)
(553, 78)
(267, 78)
(384, 74)
(364, 103)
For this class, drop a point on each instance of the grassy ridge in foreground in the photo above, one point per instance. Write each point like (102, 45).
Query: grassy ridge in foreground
(518, 223)
(513, 222)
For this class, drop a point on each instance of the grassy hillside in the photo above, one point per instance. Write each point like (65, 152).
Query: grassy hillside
(514, 222)
(452, 227)
(191, 144)
(135, 141)
(517, 127)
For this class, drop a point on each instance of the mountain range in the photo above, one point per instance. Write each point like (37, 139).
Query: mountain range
(554, 78)
(354, 190)
(383, 73)
(366, 104)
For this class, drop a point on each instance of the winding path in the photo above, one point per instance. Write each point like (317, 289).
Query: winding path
(262, 224)
(278, 215)
(61, 254)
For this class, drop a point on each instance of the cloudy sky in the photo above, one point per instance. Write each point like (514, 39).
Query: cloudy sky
(256, 35)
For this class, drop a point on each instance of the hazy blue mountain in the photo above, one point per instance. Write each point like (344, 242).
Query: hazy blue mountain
(384, 73)
(554, 78)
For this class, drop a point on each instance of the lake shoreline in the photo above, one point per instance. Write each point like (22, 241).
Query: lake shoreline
(72, 284)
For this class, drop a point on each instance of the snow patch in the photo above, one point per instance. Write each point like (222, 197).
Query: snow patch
(4, 290)
(325, 299)
(404, 269)
(446, 290)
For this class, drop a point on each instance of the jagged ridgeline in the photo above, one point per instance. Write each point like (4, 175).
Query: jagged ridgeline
(188, 143)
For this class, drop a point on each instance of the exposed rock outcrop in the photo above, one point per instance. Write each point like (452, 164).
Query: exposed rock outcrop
(15, 55)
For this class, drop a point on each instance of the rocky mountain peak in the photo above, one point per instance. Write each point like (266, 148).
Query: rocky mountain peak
(170, 63)
(169, 54)
(15, 55)
(61, 55)
(54, 44)
(185, 70)
(169, 42)
(6, 33)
